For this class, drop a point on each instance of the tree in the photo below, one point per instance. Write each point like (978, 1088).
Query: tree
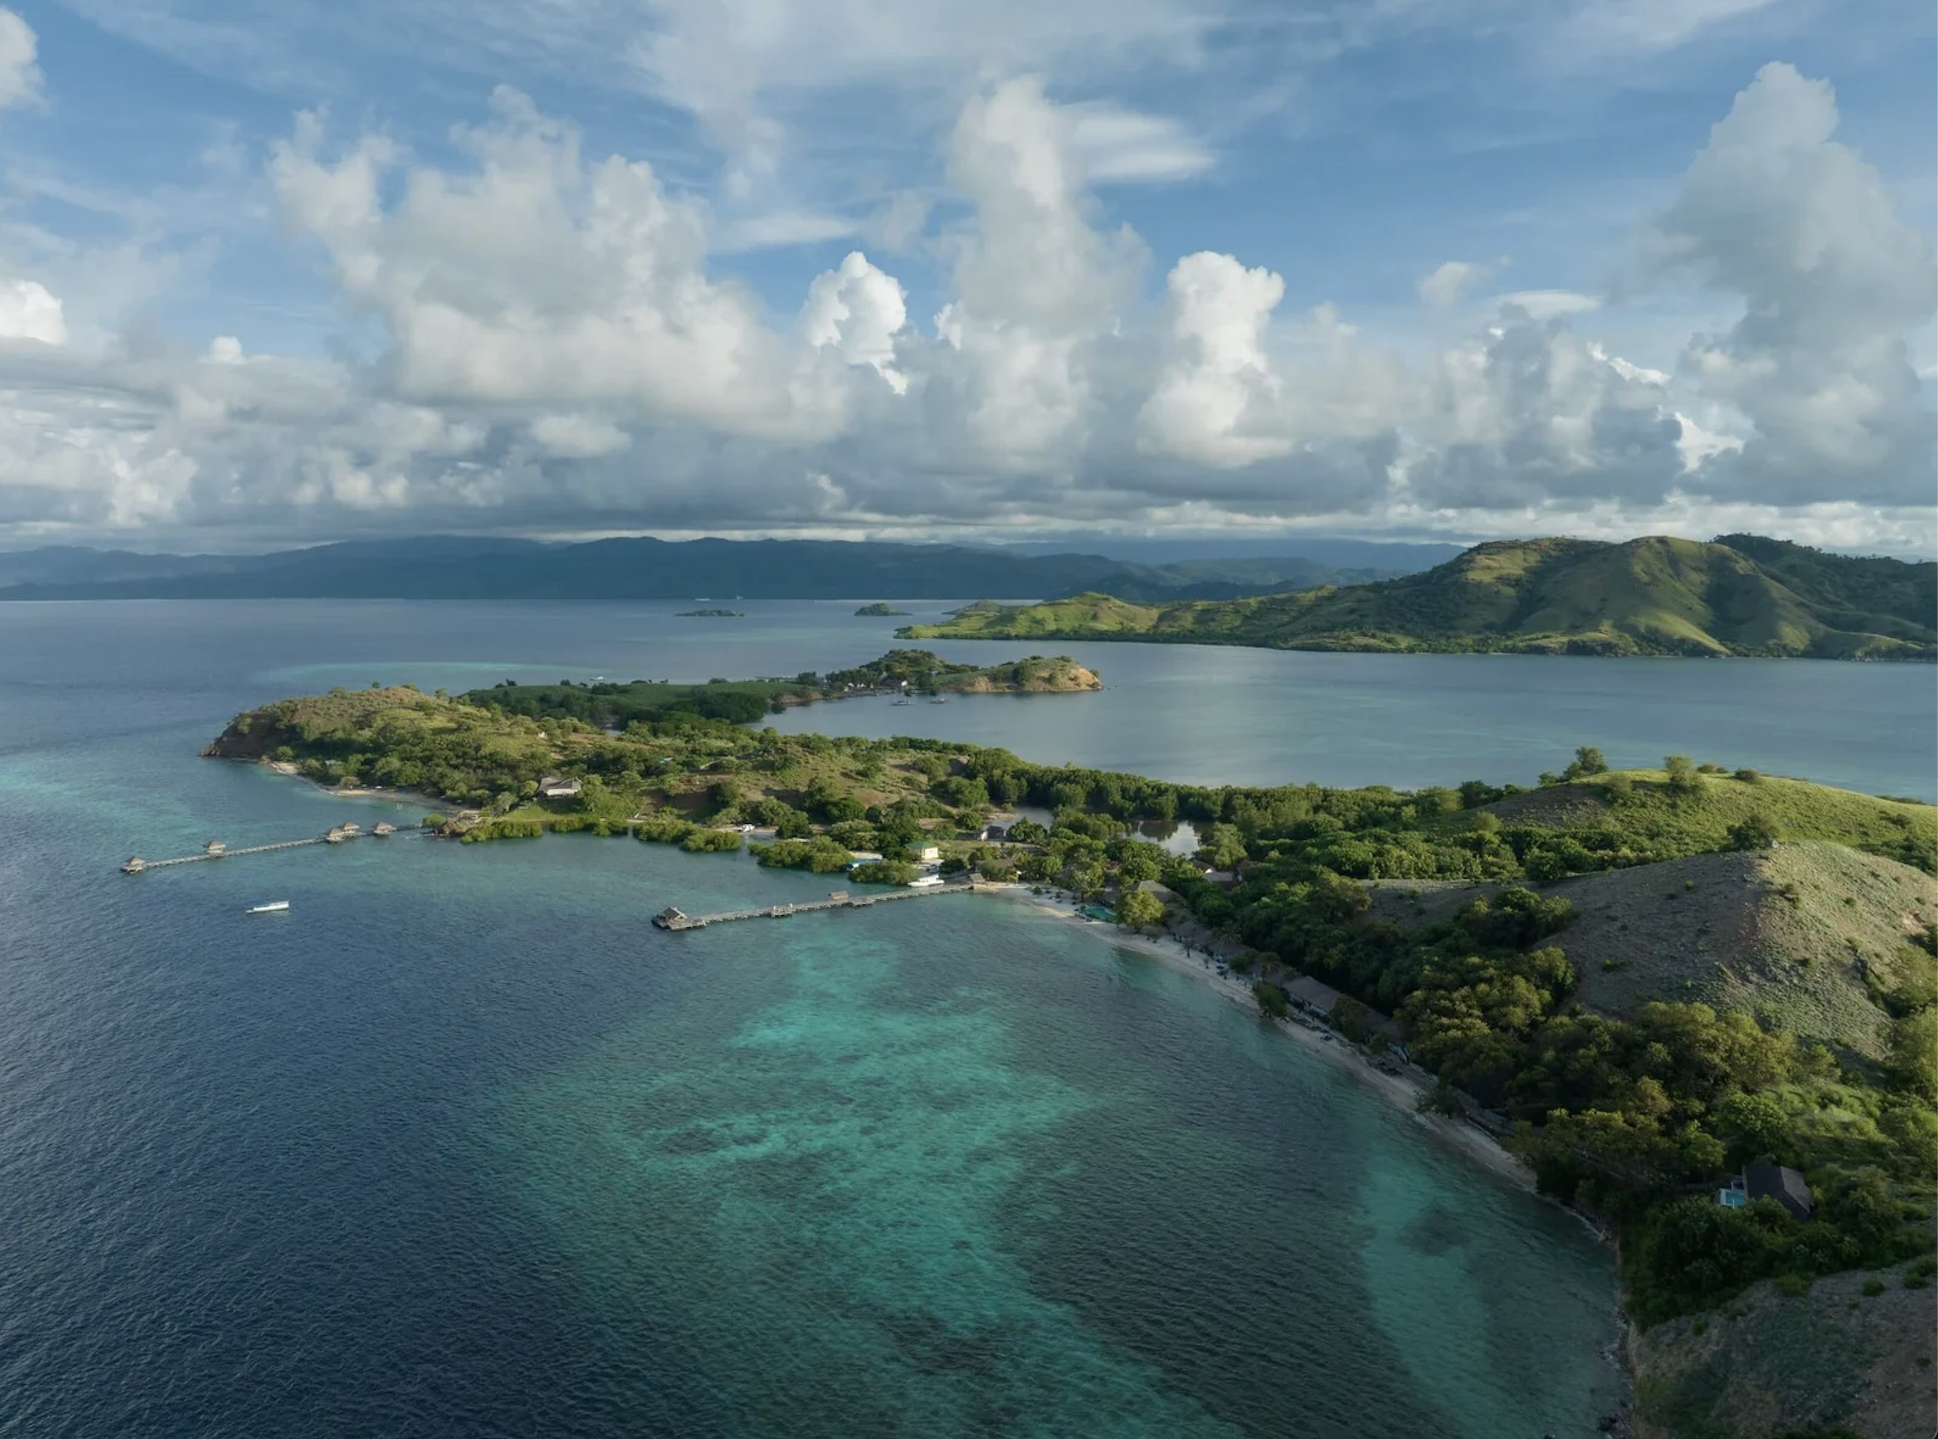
(1588, 760)
(1222, 847)
(1352, 1019)
(1139, 909)
(1754, 832)
(1914, 1053)
(1861, 1203)
(1682, 774)
(1084, 876)
(1755, 1126)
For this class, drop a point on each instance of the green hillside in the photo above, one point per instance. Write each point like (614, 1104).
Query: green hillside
(1654, 596)
(1810, 937)
(1668, 817)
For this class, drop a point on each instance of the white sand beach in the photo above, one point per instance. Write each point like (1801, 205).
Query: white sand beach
(409, 797)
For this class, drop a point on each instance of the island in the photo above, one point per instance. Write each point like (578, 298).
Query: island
(1741, 595)
(612, 705)
(879, 610)
(1698, 1004)
(711, 615)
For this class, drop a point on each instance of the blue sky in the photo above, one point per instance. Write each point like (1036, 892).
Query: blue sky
(1184, 251)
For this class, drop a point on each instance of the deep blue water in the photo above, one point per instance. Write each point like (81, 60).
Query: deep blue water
(461, 1146)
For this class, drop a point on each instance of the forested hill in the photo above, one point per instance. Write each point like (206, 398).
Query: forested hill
(455, 567)
(1737, 595)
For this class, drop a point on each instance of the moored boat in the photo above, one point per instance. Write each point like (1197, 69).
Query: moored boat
(275, 906)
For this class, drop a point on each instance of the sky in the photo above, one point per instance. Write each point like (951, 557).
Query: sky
(998, 270)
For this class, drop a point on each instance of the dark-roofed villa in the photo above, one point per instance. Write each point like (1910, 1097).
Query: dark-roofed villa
(1784, 1185)
(1311, 996)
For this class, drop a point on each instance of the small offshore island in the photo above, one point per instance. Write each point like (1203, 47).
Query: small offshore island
(879, 610)
(1699, 1005)
(1742, 595)
(711, 615)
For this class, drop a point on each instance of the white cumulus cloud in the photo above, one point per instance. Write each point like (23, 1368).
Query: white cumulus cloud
(1832, 279)
(857, 311)
(29, 312)
(1036, 286)
(538, 277)
(1215, 400)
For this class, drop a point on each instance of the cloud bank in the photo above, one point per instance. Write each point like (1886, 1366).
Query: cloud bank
(554, 349)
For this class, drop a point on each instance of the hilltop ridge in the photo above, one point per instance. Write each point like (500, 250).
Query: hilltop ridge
(1740, 595)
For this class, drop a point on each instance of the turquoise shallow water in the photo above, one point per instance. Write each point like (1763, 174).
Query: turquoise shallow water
(993, 1177)
(462, 1146)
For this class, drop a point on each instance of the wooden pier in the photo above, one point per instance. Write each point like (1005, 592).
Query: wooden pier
(676, 919)
(216, 849)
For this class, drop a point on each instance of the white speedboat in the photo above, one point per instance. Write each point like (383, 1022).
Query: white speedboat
(275, 906)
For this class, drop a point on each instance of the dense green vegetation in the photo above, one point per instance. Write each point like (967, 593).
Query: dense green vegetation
(879, 610)
(613, 705)
(1741, 595)
(1635, 1112)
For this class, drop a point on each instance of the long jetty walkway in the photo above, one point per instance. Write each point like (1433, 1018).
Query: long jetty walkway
(840, 899)
(215, 849)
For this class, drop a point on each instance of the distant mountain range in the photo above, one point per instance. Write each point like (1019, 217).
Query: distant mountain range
(1393, 556)
(1738, 595)
(449, 567)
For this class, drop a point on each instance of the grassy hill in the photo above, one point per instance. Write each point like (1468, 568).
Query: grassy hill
(1646, 809)
(1855, 1352)
(1653, 596)
(1810, 937)
(1816, 935)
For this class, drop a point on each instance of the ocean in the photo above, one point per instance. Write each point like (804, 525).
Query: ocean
(461, 1145)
